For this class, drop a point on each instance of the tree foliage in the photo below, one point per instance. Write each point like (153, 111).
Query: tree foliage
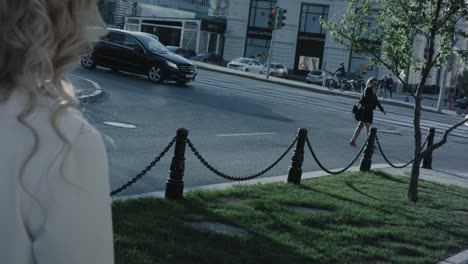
(390, 43)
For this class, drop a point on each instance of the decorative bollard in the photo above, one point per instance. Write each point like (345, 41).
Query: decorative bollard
(366, 161)
(427, 161)
(295, 170)
(175, 184)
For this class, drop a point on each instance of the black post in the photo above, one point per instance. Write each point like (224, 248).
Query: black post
(427, 161)
(175, 184)
(366, 161)
(295, 170)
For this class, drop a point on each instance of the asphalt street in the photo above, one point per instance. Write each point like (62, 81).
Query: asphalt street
(241, 126)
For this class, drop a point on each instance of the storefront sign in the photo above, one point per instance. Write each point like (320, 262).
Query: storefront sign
(213, 26)
(259, 33)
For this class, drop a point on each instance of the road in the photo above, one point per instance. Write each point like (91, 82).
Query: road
(241, 126)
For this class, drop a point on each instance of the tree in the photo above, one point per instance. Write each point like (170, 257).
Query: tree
(391, 44)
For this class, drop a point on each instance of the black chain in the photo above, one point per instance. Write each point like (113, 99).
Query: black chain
(225, 176)
(335, 172)
(388, 161)
(144, 171)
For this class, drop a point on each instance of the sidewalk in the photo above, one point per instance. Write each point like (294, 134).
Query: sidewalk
(401, 99)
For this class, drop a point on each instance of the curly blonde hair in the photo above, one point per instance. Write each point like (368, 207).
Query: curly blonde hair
(40, 41)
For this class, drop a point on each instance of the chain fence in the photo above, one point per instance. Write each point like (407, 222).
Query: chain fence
(335, 172)
(145, 170)
(388, 161)
(232, 178)
(298, 139)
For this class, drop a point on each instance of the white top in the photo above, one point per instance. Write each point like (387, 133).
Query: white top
(60, 210)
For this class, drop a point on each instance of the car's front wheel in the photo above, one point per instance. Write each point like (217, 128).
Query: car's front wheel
(156, 74)
(88, 62)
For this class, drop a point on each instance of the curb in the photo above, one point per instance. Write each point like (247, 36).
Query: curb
(309, 87)
(97, 89)
(227, 185)
(460, 258)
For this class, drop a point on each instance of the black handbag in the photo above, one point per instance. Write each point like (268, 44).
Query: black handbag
(357, 110)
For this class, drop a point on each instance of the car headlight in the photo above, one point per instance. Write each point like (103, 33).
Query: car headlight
(172, 65)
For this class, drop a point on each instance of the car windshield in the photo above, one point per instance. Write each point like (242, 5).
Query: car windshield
(152, 44)
(244, 61)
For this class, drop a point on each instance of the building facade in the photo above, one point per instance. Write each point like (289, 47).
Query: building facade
(302, 44)
(239, 28)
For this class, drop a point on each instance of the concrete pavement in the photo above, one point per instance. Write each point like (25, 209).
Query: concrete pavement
(400, 99)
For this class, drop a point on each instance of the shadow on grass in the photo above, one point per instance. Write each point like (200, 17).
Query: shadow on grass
(354, 188)
(158, 234)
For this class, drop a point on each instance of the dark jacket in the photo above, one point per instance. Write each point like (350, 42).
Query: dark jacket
(368, 102)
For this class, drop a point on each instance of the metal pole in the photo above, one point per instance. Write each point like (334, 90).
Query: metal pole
(269, 53)
(427, 161)
(366, 161)
(295, 170)
(442, 89)
(175, 184)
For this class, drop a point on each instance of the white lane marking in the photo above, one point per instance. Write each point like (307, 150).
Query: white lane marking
(122, 125)
(246, 134)
(95, 84)
(390, 131)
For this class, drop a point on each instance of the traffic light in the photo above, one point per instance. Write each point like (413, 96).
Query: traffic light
(273, 18)
(280, 17)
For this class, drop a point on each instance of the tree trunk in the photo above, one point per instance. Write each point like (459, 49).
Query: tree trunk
(413, 186)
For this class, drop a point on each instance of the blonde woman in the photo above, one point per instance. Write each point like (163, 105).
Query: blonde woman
(54, 185)
(369, 102)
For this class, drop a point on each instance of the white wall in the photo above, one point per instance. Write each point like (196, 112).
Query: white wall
(236, 29)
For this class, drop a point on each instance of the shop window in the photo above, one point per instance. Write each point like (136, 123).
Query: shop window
(310, 18)
(259, 12)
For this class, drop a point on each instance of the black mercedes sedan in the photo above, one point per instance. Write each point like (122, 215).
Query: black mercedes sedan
(140, 53)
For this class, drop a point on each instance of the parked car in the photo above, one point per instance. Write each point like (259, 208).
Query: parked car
(139, 53)
(461, 103)
(277, 70)
(210, 57)
(180, 51)
(246, 64)
(315, 76)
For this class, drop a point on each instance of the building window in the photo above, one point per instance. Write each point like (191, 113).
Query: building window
(359, 63)
(259, 12)
(310, 18)
(257, 49)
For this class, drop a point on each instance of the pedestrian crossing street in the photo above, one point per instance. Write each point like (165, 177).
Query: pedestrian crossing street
(274, 93)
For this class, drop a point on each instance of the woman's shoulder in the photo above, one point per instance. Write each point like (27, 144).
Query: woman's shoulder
(67, 120)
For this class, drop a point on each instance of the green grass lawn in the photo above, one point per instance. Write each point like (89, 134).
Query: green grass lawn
(370, 221)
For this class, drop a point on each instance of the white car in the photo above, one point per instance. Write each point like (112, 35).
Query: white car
(246, 64)
(276, 69)
(315, 76)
